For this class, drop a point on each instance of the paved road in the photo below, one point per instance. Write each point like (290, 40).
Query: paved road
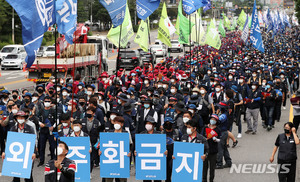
(251, 149)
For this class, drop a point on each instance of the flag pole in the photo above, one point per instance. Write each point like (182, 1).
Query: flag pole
(56, 104)
(118, 51)
(190, 51)
(73, 88)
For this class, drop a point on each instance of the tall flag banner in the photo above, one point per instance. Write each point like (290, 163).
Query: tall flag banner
(190, 6)
(36, 18)
(221, 29)
(226, 22)
(183, 26)
(242, 19)
(286, 20)
(281, 24)
(270, 21)
(255, 34)
(233, 26)
(207, 6)
(212, 37)
(249, 21)
(245, 32)
(127, 32)
(260, 19)
(66, 18)
(145, 8)
(142, 35)
(165, 27)
(116, 10)
(198, 32)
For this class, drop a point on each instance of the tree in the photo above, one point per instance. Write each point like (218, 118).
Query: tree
(297, 9)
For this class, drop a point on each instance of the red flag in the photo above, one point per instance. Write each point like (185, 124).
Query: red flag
(210, 133)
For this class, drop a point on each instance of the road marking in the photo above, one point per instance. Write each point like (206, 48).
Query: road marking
(13, 82)
(12, 77)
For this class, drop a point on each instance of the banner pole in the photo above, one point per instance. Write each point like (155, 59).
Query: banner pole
(56, 104)
(190, 52)
(119, 47)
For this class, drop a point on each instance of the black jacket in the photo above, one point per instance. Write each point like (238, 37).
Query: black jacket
(67, 171)
(95, 130)
(198, 139)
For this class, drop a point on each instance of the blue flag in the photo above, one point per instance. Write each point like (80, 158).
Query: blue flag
(255, 34)
(245, 32)
(207, 6)
(270, 21)
(190, 6)
(281, 23)
(66, 18)
(116, 10)
(145, 8)
(36, 17)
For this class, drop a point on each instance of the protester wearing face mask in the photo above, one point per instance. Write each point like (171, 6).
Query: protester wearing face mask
(50, 84)
(286, 144)
(22, 127)
(65, 167)
(286, 84)
(15, 97)
(159, 109)
(217, 97)
(64, 96)
(279, 99)
(172, 134)
(73, 109)
(40, 90)
(212, 134)
(187, 116)
(174, 93)
(143, 112)
(103, 103)
(90, 90)
(118, 123)
(230, 81)
(5, 97)
(27, 101)
(268, 96)
(65, 128)
(81, 89)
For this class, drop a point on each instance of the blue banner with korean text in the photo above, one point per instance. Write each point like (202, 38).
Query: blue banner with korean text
(114, 160)
(150, 157)
(18, 155)
(79, 152)
(187, 165)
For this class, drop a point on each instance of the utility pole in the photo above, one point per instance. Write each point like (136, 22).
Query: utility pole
(13, 26)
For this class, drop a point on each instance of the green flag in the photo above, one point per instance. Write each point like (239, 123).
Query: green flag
(242, 19)
(250, 21)
(183, 26)
(221, 29)
(233, 26)
(226, 22)
(142, 36)
(165, 27)
(198, 33)
(127, 31)
(212, 36)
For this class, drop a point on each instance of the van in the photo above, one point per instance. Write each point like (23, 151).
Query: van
(12, 49)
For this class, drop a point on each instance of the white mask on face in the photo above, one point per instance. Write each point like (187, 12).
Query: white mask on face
(172, 90)
(79, 87)
(253, 87)
(281, 76)
(218, 89)
(70, 108)
(61, 82)
(159, 86)
(117, 126)
(164, 86)
(58, 99)
(58, 89)
(146, 82)
(21, 121)
(100, 97)
(14, 111)
(202, 91)
(65, 93)
(47, 104)
(89, 93)
(172, 80)
(185, 119)
(76, 128)
(230, 77)
(263, 83)
(254, 75)
(148, 127)
(34, 99)
(65, 124)
(59, 150)
(189, 131)
(192, 111)
(112, 117)
(195, 93)
(240, 80)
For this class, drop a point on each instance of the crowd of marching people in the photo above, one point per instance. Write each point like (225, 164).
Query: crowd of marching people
(179, 96)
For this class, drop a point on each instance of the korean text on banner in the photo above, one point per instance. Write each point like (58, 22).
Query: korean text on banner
(150, 159)
(114, 161)
(79, 152)
(18, 155)
(187, 165)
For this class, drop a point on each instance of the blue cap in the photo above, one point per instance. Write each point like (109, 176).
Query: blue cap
(270, 83)
(28, 94)
(81, 83)
(192, 106)
(234, 88)
(5, 92)
(169, 119)
(65, 88)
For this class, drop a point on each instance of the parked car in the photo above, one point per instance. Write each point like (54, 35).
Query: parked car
(176, 46)
(128, 59)
(12, 49)
(49, 52)
(159, 50)
(13, 61)
(147, 56)
(41, 51)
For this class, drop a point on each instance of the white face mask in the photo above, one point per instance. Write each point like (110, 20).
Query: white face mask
(104, 79)
(14, 111)
(65, 93)
(172, 91)
(61, 82)
(240, 81)
(70, 108)
(47, 104)
(159, 86)
(53, 81)
(172, 80)
(117, 126)
(148, 127)
(192, 111)
(58, 99)
(230, 77)
(218, 89)
(253, 87)
(185, 120)
(65, 124)
(59, 150)
(76, 128)
(254, 75)
(188, 86)
(34, 99)
(202, 91)
(112, 117)
(89, 92)
(189, 131)
(21, 121)
(263, 83)
(146, 82)
(281, 76)
(79, 87)
(209, 72)
(58, 89)
(195, 93)
(119, 101)
(100, 97)
(164, 86)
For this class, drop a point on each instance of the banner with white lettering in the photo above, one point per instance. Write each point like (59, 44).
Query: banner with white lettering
(79, 152)
(114, 161)
(187, 165)
(18, 155)
(150, 157)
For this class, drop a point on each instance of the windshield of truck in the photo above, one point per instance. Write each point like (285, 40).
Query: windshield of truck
(12, 56)
(8, 49)
(50, 49)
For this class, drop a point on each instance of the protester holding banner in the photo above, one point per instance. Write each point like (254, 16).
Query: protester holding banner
(65, 168)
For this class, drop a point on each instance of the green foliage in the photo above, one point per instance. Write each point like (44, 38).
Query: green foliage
(297, 9)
